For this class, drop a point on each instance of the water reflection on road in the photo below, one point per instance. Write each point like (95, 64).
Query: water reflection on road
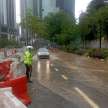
(78, 79)
(43, 69)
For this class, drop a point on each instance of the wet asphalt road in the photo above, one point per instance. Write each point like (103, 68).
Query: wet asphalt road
(69, 81)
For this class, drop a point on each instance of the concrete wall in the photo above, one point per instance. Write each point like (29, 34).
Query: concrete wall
(95, 44)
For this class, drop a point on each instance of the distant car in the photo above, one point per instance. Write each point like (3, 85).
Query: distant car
(43, 53)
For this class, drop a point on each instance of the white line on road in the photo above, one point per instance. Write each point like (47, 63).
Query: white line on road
(87, 99)
(64, 77)
(56, 69)
(52, 65)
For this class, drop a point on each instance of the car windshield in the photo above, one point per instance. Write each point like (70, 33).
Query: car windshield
(43, 50)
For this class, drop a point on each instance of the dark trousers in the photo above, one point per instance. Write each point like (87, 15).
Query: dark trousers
(28, 71)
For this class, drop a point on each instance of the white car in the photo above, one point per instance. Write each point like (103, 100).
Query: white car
(43, 53)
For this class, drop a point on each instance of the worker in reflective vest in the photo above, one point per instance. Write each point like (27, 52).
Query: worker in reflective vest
(28, 59)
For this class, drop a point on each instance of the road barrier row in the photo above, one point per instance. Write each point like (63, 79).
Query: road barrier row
(17, 82)
(8, 52)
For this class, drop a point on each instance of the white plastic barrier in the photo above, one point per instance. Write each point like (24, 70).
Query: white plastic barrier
(10, 52)
(8, 100)
(2, 55)
(8, 89)
(18, 68)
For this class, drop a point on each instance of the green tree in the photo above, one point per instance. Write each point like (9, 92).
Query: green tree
(88, 29)
(95, 5)
(5, 43)
(102, 18)
(93, 23)
(61, 28)
(102, 22)
(33, 25)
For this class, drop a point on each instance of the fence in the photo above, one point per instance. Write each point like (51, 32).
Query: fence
(95, 44)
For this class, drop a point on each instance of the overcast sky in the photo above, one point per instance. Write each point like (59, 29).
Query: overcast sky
(80, 6)
(18, 11)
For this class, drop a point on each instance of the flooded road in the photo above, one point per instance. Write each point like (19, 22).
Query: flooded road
(69, 81)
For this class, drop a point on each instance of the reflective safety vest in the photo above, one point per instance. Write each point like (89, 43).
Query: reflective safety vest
(28, 58)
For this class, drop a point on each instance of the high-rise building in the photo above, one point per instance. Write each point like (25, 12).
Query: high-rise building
(43, 7)
(7, 16)
(66, 5)
(48, 6)
(106, 1)
(37, 7)
(3, 12)
(11, 13)
(26, 5)
(22, 8)
(40, 8)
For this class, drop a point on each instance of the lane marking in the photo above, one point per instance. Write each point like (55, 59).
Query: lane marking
(97, 70)
(86, 98)
(51, 64)
(74, 67)
(64, 77)
(56, 69)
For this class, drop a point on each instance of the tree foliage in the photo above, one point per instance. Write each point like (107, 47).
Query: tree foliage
(61, 28)
(87, 26)
(102, 18)
(33, 24)
(94, 22)
(6, 43)
(95, 5)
